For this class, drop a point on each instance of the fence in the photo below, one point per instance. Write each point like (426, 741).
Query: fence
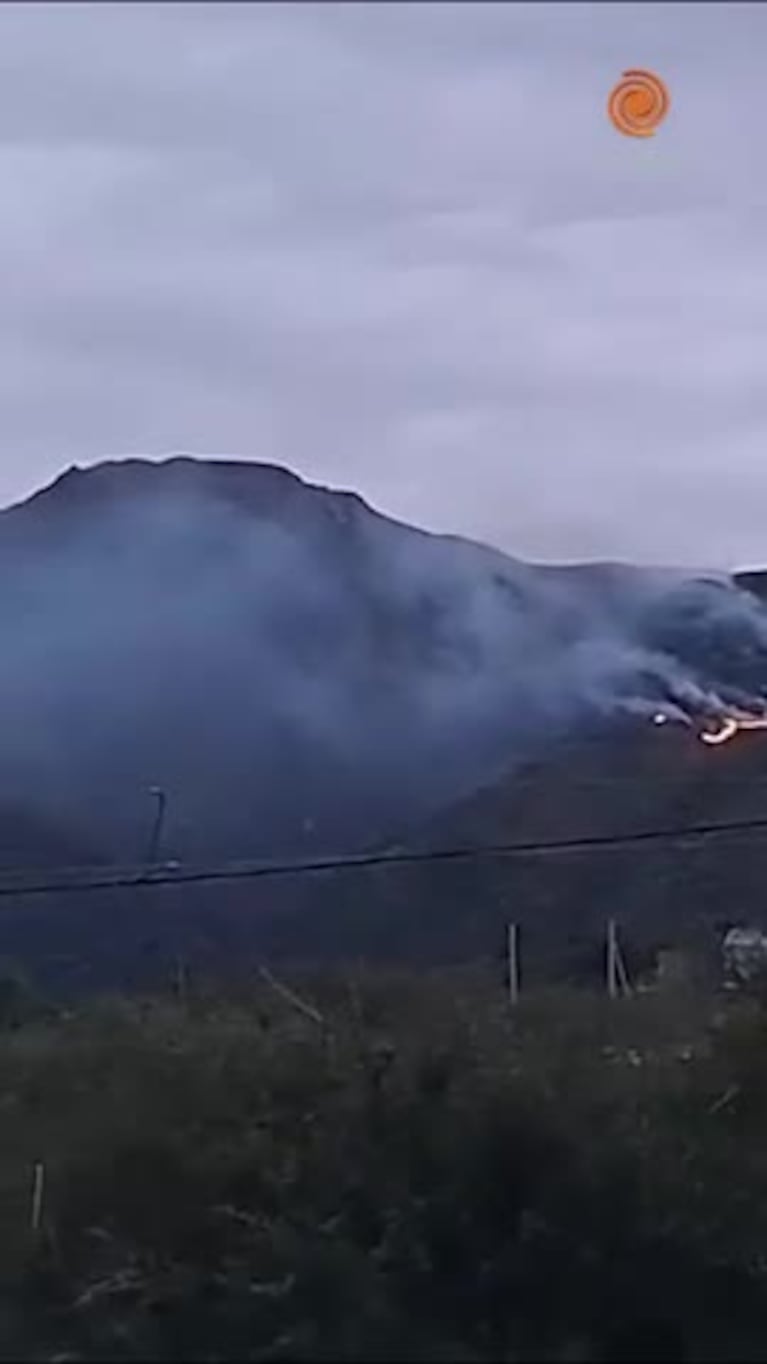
(116, 926)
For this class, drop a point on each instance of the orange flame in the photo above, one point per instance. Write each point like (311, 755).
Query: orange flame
(720, 730)
(730, 725)
(728, 728)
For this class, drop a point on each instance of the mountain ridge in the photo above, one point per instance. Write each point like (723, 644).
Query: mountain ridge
(301, 675)
(187, 573)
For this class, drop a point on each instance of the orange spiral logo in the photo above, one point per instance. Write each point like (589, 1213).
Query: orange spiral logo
(638, 104)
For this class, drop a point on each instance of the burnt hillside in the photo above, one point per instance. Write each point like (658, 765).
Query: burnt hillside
(298, 672)
(303, 676)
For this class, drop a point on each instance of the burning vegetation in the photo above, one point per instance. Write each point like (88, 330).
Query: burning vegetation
(720, 729)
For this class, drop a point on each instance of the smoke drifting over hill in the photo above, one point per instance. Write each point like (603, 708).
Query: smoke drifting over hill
(297, 671)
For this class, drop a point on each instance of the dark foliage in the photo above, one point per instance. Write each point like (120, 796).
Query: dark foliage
(416, 1172)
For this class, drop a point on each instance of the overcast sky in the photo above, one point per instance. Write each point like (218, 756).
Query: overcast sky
(398, 248)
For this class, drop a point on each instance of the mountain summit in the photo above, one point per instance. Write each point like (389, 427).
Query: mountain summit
(298, 672)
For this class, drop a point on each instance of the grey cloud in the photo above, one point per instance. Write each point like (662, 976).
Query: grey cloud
(400, 249)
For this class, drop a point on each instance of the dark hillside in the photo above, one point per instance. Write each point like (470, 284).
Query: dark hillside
(303, 676)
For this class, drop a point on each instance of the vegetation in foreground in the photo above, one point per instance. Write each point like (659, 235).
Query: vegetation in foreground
(415, 1172)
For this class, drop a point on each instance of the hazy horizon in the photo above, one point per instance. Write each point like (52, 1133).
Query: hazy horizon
(343, 488)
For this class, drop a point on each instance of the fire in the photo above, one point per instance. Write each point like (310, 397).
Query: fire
(726, 726)
(730, 725)
(727, 729)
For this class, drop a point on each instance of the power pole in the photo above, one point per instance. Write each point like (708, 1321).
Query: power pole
(156, 835)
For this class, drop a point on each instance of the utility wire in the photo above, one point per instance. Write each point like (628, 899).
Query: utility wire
(96, 878)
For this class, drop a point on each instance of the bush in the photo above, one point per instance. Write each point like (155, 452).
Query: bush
(423, 1175)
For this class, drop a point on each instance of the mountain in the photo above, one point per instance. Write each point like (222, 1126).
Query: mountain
(289, 666)
(295, 670)
(302, 675)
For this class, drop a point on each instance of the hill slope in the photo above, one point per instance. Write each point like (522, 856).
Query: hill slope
(297, 671)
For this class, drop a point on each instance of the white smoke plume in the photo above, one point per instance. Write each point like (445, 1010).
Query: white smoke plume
(279, 658)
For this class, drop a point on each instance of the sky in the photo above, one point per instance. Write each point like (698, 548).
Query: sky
(399, 249)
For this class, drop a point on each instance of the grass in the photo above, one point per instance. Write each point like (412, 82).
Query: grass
(423, 1174)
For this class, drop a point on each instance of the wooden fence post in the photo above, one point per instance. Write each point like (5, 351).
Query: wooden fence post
(512, 945)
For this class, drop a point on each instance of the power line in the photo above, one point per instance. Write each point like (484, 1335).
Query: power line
(86, 879)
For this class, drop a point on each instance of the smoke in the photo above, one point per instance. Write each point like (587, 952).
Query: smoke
(279, 659)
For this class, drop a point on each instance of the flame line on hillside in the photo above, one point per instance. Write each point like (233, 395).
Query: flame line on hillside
(729, 727)
(730, 723)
